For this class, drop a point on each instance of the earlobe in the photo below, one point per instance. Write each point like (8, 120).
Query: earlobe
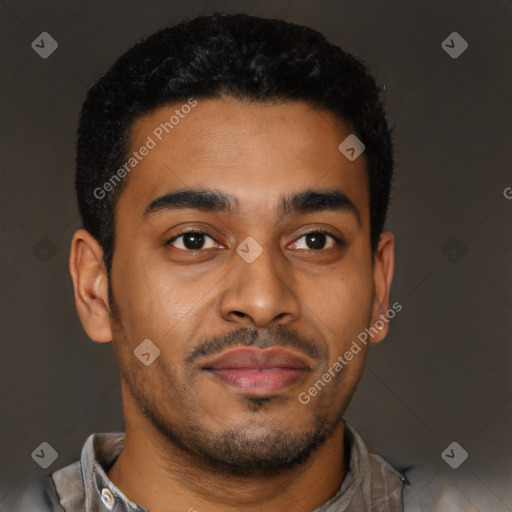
(90, 285)
(383, 276)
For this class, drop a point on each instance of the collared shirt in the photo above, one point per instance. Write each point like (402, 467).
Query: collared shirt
(370, 484)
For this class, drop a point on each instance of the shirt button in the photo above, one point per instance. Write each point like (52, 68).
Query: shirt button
(107, 498)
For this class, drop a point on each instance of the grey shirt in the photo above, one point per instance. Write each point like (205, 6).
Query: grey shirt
(370, 485)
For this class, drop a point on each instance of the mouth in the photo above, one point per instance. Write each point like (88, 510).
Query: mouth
(258, 372)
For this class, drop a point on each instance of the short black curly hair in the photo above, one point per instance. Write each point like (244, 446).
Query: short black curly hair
(246, 57)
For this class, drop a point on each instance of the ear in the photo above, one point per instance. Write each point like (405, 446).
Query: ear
(90, 285)
(382, 276)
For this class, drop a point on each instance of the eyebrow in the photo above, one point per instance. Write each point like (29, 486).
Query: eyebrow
(215, 201)
(319, 200)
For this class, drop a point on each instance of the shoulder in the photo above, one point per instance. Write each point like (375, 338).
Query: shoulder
(428, 491)
(60, 491)
(39, 496)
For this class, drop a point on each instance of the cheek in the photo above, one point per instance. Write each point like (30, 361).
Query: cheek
(159, 303)
(341, 300)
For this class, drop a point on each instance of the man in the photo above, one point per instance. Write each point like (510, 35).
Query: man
(233, 178)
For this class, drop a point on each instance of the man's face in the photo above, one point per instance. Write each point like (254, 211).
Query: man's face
(258, 275)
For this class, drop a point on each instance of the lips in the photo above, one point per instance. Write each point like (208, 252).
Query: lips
(258, 372)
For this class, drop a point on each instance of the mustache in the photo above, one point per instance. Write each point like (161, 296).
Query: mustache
(275, 336)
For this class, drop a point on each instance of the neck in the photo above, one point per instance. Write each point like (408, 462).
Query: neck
(159, 477)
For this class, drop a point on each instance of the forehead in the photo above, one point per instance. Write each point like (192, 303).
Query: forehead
(258, 153)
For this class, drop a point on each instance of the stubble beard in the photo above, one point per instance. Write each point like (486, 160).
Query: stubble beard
(243, 452)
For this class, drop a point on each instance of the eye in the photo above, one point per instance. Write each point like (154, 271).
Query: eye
(316, 240)
(192, 241)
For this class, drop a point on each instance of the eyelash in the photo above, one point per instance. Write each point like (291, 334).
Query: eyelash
(337, 240)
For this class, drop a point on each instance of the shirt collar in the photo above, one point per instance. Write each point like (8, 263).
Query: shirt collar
(99, 453)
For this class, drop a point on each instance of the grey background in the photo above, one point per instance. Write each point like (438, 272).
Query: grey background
(444, 372)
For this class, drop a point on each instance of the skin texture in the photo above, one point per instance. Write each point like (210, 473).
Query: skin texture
(193, 442)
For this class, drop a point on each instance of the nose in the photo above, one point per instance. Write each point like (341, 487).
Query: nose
(261, 292)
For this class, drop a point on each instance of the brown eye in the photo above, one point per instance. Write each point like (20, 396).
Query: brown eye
(316, 240)
(192, 241)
